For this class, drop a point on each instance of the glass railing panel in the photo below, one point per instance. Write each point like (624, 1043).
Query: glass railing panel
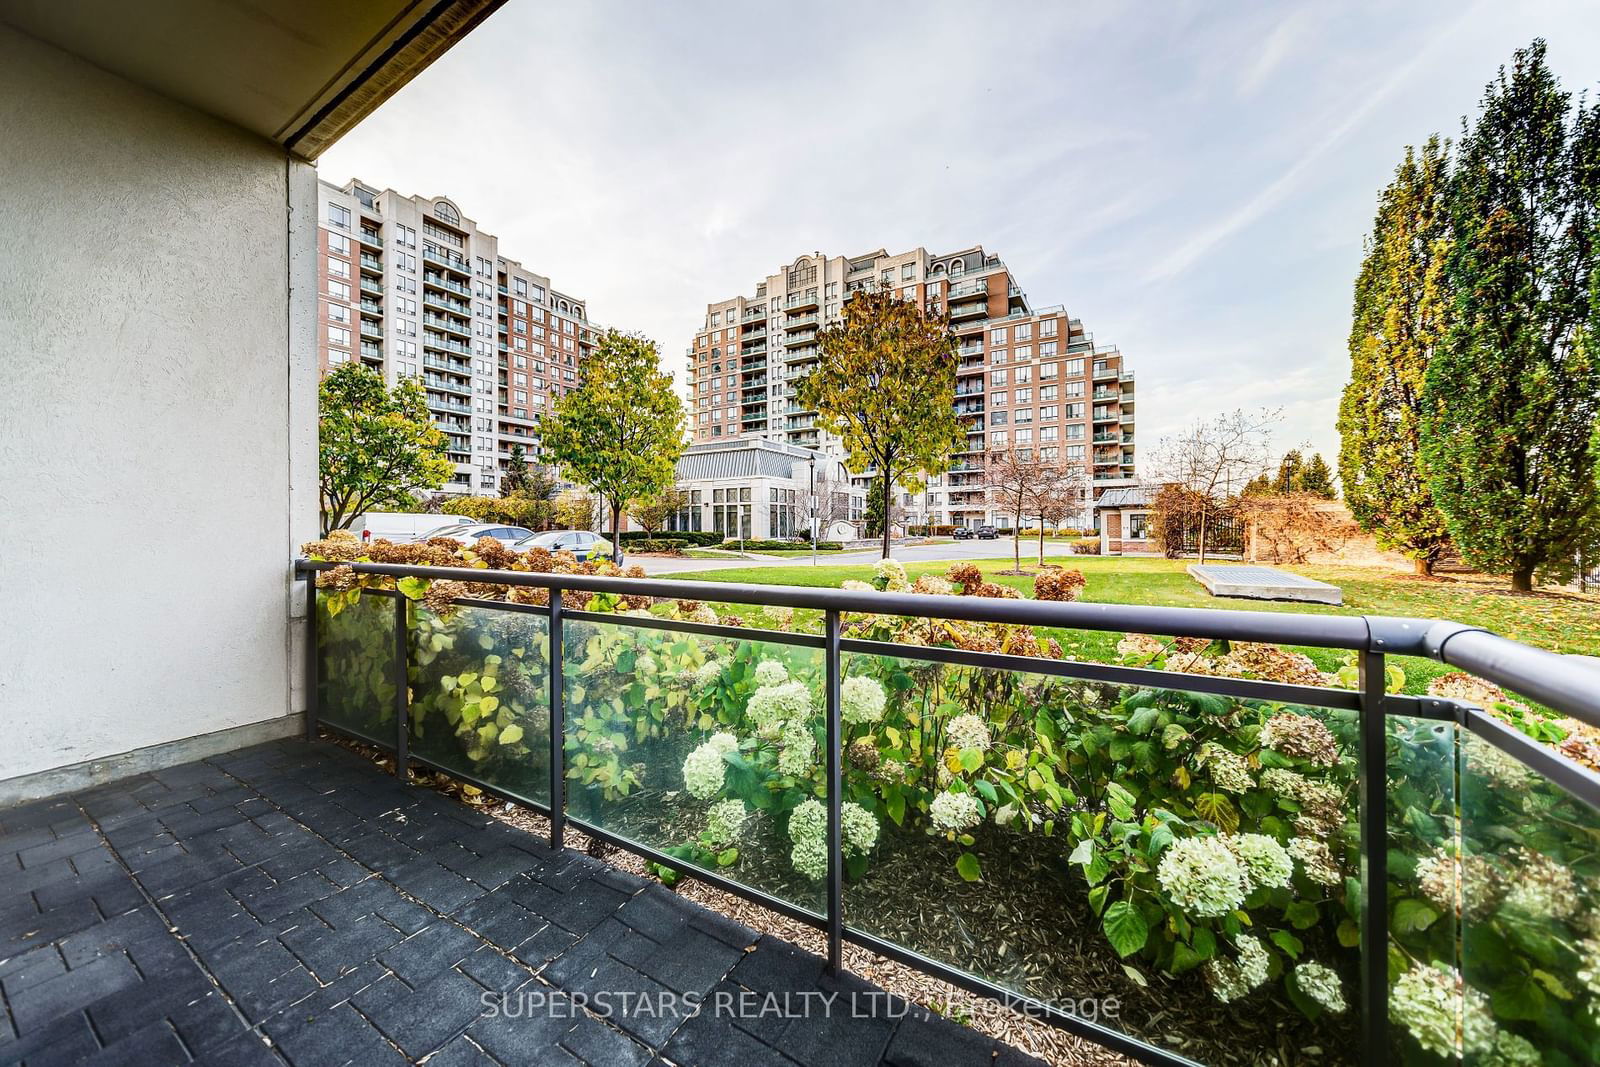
(1530, 904)
(1178, 866)
(708, 748)
(1423, 880)
(355, 666)
(480, 696)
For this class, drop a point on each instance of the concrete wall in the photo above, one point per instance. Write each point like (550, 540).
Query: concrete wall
(156, 434)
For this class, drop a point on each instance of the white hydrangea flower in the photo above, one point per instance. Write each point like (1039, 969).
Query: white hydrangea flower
(1321, 984)
(1229, 770)
(645, 663)
(858, 828)
(708, 674)
(861, 700)
(706, 614)
(1202, 876)
(808, 829)
(934, 585)
(1315, 860)
(954, 811)
(856, 586)
(968, 731)
(704, 770)
(1426, 1000)
(725, 820)
(1540, 887)
(797, 751)
(1589, 970)
(771, 672)
(1266, 864)
(892, 574)
(774, 704)
(1232, 979)
(781, 617)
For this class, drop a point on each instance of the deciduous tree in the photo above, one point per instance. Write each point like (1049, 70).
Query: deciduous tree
(1212, 461)
(652, 512)
(622, 430)
(885, 384)
(1511, 399)
(1403, 308)
(376, 446)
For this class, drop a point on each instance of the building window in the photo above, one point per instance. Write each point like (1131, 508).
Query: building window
(1136, 527)
(339, 215)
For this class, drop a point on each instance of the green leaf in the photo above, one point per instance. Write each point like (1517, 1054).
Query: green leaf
(1288, 942)
(1143, 721)
(511, 734)
(727, 857)
(1125, 928)
(967, 867)
(412, 588)
(1412, 915)
(1218, 809)
(971, 759)
(1349, 934)
(988, 792)
(1302, 914)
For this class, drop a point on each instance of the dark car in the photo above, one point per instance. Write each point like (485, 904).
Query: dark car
(961, 533)
(987, 533)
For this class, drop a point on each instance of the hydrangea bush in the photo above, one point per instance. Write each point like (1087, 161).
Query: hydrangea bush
(1210, 837)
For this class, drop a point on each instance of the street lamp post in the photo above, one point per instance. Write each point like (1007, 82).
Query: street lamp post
(813, 503)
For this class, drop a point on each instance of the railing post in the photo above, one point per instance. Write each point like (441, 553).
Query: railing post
(312, 682)
(1372, 765)
(835, 905)
(558, 776)
(402, 687)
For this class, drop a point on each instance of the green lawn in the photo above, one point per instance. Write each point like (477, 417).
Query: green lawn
(1560, 621)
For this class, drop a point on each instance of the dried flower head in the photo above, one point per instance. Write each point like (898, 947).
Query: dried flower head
(1231, 980)
(1302, 737)
(955, 811)
(965, 575)
(932, 584)
(1060, 585)
(1315, 860)
(1320, 984)
(863, 754)
(1229, 771)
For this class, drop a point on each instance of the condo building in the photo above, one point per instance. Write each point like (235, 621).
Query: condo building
(1026, 377)
(412, 287)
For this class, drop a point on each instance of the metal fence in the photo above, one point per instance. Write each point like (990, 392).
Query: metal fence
(1468, 738)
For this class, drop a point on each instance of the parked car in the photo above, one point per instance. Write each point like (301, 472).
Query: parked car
(987, 533)
(962, 533)
(402, 526)
(581, 543)
(466, 534)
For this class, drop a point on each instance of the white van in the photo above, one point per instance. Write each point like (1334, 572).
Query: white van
(402, 526)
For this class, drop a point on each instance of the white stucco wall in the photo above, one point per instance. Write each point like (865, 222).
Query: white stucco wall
(146, 441)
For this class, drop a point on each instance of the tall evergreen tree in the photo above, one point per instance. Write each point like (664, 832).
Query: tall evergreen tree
(1316, 477)
(1402, 310)
(1513, 394)
(1289, 471)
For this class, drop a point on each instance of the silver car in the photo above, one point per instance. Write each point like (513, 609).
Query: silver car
(506, 535)
(581, 543)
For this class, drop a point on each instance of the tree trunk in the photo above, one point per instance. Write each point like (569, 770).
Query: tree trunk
(885, 480)
(616, 534)
(1041, 540)
(1204, 515)
(1522, 579)
(1016, 545)
(1423, 566)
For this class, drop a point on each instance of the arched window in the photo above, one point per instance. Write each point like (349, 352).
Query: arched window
(446, 212)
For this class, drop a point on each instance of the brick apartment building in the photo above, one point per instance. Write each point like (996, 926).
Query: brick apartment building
(1027, 377)
(410, 286)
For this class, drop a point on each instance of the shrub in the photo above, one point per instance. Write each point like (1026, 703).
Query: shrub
(1086, 546)
(1058, 585)
(672, 546)
(700, 538)
(777, 544)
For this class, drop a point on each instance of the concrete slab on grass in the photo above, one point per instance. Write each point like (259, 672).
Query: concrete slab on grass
(1263, 583)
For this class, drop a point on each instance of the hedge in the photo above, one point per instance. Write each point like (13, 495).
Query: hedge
(701, 538)
(669, 545)
(773, 545)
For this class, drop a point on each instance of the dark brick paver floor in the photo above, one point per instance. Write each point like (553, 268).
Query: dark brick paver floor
(289, 903)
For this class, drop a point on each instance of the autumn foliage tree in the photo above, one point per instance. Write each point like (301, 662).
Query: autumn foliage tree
(622, 430)
(885, 385)
(375, 446)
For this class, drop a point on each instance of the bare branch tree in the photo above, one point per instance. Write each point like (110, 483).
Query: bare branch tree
(1214, 459)
(1061, 492)
(1016, 477)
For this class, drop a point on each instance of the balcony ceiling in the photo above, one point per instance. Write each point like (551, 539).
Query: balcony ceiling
(298, 72)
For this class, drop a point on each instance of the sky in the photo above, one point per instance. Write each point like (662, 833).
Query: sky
(1191, 179)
